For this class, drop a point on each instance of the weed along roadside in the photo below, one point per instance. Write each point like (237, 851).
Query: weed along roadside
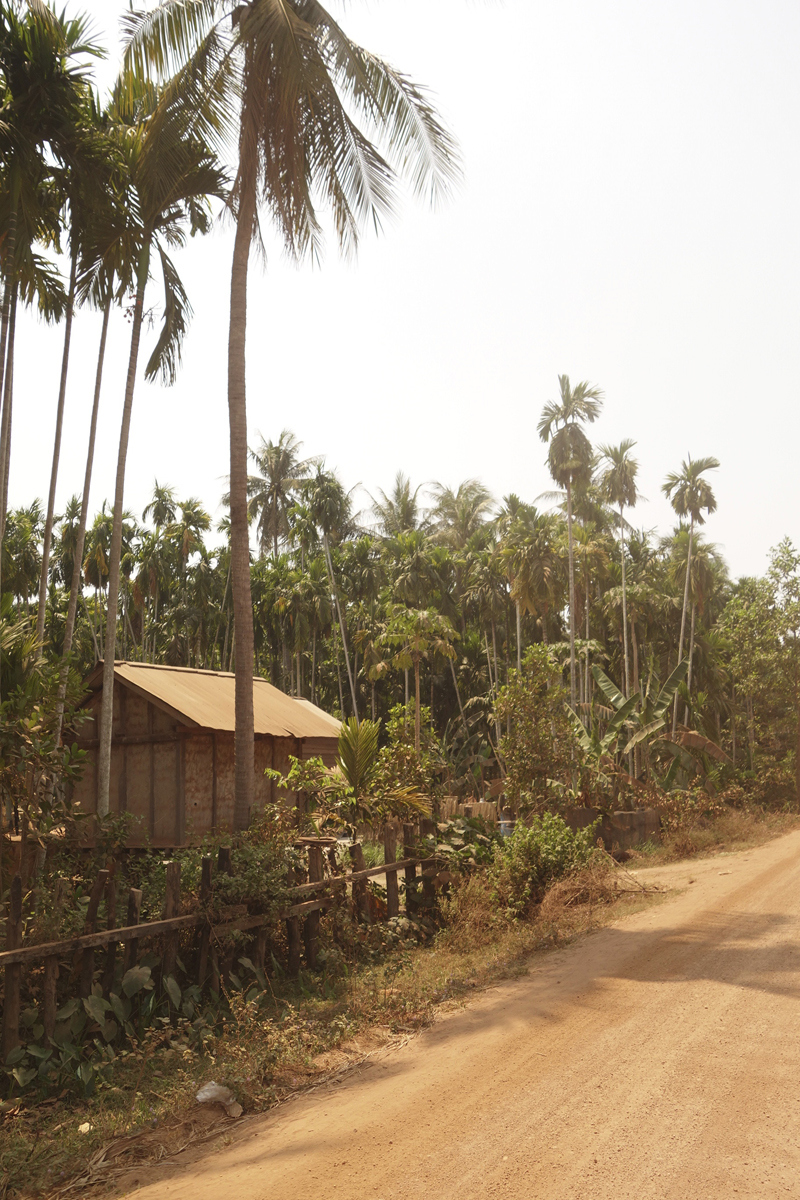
(257, 1028)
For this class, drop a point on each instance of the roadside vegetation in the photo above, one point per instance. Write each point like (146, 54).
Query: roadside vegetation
(543, 654)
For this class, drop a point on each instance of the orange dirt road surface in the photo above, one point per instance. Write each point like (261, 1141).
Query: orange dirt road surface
(658, 1058)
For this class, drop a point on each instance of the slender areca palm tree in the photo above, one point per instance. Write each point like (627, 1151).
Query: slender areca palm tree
(298, 86)
(417, 634)
(172, 174)
(690, 495)
(618, 485)
(329, 506)
(569, 458)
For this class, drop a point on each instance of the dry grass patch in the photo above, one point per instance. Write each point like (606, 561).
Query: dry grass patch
(734, 829)
(292, 1041)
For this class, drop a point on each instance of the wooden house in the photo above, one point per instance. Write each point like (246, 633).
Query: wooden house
(172, 748)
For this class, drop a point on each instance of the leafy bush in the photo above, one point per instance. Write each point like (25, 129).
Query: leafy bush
(538, 749)
(534, 857)
(462, 843)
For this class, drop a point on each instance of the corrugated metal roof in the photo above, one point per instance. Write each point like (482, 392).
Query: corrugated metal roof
(206, 699)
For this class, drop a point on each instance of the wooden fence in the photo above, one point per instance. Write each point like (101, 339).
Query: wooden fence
(315, 887)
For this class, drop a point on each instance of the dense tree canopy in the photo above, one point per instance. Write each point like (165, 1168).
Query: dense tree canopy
(470, 611)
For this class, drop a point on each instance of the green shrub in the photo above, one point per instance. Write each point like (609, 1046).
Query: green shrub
(534, 857)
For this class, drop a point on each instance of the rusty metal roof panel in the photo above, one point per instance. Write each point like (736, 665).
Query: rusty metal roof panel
(206, 699)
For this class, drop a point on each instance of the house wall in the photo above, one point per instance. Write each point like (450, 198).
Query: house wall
(176, 781)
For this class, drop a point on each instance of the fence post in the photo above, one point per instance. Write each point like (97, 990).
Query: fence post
(87, 958)
(292, 937)
(205, 932)
(50, 995)
(360, 898)
(111, 923)
(410, 851)
(390, 856)
(172, 903)
(311, 926)
(13, 973)
(134, 911)
(224, 866)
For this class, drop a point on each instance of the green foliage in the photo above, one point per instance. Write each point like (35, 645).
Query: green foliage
(537, 750)
(366, 787)
(463, 843)
(357, 757)
(533, 857)
(30, 755)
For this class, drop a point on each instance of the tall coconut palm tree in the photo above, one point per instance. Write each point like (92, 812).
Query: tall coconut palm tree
(461, 513)
(569, 458)
(280, 471)
(399, 512)
(172, 174)
(690, 495)
(618, 486)
(298, 86)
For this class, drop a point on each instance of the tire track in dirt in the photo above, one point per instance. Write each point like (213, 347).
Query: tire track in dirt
(656, 1059)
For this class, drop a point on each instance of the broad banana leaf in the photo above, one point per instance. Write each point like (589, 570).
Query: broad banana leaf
(695, 741)
(681, 756)
(643, 734)
(584, 739)
(669, 778)
(608, 687)
(667, 693)
(615, 726)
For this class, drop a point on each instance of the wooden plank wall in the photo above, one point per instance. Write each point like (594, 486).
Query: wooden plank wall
(176, 782)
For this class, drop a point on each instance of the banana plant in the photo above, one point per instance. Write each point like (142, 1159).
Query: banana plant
(601, 751)
(651, 716)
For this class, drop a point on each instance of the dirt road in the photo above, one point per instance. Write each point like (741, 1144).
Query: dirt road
(657, 1059)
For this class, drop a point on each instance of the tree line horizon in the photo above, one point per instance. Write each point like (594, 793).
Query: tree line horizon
(271, 113)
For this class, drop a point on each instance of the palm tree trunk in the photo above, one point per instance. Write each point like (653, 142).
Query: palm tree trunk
(51, 498)
(90, 623)
(244, 738)
(341, 625)
(115, 550)
(219, 622)
(572, 688)
(417, 718)
(9, 293)
(77, 566)
(338, 666)
(458, 698)
(496, 678)
(5, 426)
(624, 606)
(683, 618)
(691, 656)
(587, 688)
(519, 636)
(313, 664)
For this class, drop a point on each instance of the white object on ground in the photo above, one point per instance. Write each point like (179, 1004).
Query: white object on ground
(215, 1093)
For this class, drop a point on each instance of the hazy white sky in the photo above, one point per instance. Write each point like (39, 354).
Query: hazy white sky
(630, 216)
